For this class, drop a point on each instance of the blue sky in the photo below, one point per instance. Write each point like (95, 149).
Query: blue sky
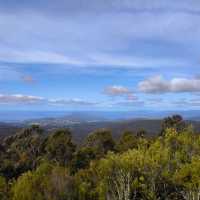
(99, 55)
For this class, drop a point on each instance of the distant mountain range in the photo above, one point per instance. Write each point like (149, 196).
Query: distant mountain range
(84, 116)
(81, 129)
(82, 123)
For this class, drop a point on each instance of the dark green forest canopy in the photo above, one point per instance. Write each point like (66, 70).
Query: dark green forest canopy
(35, 166)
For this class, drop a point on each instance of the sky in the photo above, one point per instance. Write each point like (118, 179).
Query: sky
(100, 55)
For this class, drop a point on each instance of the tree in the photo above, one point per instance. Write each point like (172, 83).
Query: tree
(3, 189)
(188, 176)
(59, 147)
(82, 158)
(126, 141)
(101, 141)
(176, 122)
(165, 167)
(21, 151)
(48, 182)
(141, 133)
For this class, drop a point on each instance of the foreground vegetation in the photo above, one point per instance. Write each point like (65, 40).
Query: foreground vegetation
(38, 167)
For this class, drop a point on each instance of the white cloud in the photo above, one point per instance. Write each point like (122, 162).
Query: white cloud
(158, 84)
(28, 79)
(20, 99)
(74, 102)
(28, 99)
(119, 91)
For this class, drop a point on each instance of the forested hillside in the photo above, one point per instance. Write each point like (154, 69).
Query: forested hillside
(35, 166)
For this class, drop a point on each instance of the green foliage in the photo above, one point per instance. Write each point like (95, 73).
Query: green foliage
(3, 189)
(59, 147)
(176, 122)
(82, 158)
(127, 141)
(135, 168)
(141, 133)
(188, 176)
(101, 141)
(48, 182)
(154, 171)
(21, 151)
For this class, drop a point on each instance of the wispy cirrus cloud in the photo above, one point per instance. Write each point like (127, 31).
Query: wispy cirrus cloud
(36, 57)
(88, 41)
(118, 38)
(65, 7)
(88, 61)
